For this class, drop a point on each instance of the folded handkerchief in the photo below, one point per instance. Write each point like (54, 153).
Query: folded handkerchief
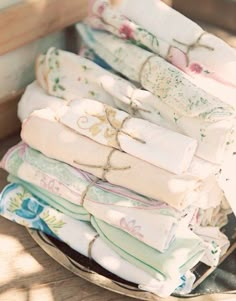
(140, 138)
(58, 142)
(183, 42)
(183, 254)
(69, 77)
(174, 87)
(115, 128)
(18, 205)
(201, 59)
(117, 206)
(63, 205)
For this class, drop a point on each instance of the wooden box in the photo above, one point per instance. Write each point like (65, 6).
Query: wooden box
(26, 29)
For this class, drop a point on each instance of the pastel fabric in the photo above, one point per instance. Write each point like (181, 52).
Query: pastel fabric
(19, 206)
(119, 207)
(185, 44)
(215, 216)
(140, 138)
(216, 244)
(177, 90)
(115, 128)
(71, 210)
(183, 254)
(69, 77)
(57, 141)
(116, 206)
(199, 55)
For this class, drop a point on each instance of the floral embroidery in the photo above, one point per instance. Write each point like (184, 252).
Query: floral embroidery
(108, 118)
(175, 118)
(196, 68)
(57, 85)
(131, 228)
(16, 202)
(126, 31)
(101, 9)
(202, 134)
(113, 127)
(53, 222)
(215, 247)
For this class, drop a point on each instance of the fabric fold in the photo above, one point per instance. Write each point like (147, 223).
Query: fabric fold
(183, 254)
(174, 87)
(119, 207)
(62, 205)
(58, 142)
(216, 244)
(184, 43)
(18, 205)
(193, 59)
(117, 129)
(78, 77)
(142, 139)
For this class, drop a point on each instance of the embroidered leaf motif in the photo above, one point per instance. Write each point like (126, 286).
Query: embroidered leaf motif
(202, 134)
(17, 200)
(95, 130)
(53, 222)
(131, 227)
(24, 223)
(92, 93)
(107, 123)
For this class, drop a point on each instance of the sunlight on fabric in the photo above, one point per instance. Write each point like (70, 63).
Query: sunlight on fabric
(110, 263)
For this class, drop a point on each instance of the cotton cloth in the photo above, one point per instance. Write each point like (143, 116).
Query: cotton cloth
(183, 254)
(119, 207)
(58, 203)
(216, 244)
(174, 87)
(190, 58)
(183, 42)
(115, 128)
(58, 142)
(18, 205)
(69, 77)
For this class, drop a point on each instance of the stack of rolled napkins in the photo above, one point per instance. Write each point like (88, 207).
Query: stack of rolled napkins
(126, 164)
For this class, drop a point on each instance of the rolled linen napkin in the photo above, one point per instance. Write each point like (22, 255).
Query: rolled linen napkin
(174, 87)
(115, 128)
(117, 206)
(159, 146)
(78, 77)
(114, 21)
(58, 142)
(18, 205)
(183, 254)
(183, 42)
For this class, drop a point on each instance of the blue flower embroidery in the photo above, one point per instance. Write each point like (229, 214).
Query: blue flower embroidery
(30, 210)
